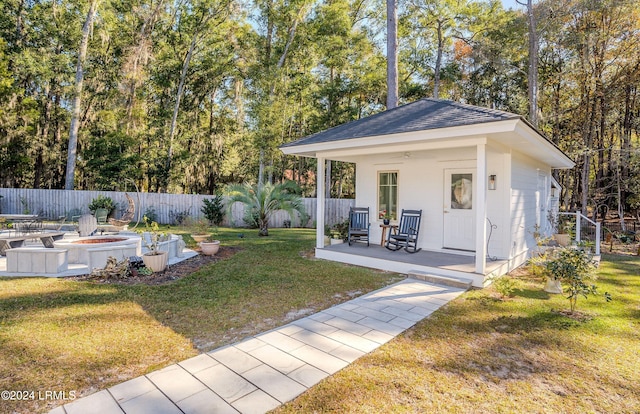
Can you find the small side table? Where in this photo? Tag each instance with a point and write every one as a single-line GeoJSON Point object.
{"type": "Point", "coordinates": [392, 229]}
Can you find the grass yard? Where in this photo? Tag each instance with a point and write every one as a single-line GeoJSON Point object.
{"type": "Point", "coordinates": [481, 354]}
{"type": "Point", "coordinates": [478, 354]}
{"type": "Point", "coordinates": [63, 336]}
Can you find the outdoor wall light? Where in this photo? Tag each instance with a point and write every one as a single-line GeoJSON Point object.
{"type": "Point", "coordinates": [553, 190]}
{"type": "Point", "coordinates": [492, 182]}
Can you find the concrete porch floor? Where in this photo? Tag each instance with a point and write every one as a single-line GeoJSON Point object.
{"type": "Point", "coordinates": [450, 264]}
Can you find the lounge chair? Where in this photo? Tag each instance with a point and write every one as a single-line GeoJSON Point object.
{"type": "Point", "coordinates": [359, 224]}
{"type": "Point", "coordinates": [407, 235]}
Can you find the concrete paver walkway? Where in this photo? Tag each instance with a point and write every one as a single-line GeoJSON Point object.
{"type": "Point", "coordinates": [265, 371]}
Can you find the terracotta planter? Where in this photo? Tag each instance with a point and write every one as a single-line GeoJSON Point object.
{"type": "Point", "coordinates": [156, 262]}
{"type": "Point", "coordinates": [553, 286]}
{"type": "Point", "coordinates": [199, 237]}
{"type": "Point", "coordinates": [210, 248]}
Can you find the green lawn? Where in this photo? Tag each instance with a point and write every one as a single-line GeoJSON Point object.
{"type": "Point", "coordinates": [480, 354]}
{"type": "Point", "coordinates": [61, 335]}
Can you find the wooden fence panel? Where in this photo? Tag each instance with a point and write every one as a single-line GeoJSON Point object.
{"type": "Point", "coordinates": [55, 203]}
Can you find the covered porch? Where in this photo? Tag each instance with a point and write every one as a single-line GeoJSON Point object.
{"type": "Point", "coordinates": [444, 264]}
{"type": "Point", "coordinates": [480, 179]}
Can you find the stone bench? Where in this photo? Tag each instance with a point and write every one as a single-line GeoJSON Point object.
{"type": "Point", "coordinates": [174, 245]}
{"type": "Point", "coordinates": [36, 260]}
{"type": "Point", "coordinates": [98, 256]}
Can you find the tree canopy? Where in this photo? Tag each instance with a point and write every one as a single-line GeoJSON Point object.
{"type": "Point", "coordinates": [188, 96]}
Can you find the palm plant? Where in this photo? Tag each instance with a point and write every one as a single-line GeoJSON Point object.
{"type": "Point", "coordinates": [261, 201]}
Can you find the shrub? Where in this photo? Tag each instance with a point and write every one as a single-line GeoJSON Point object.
{"type": "Point", "coordinates": [213, 209]}
{"type": "Point", "coordinates": [151, 214]}
{"type": "Point", "coordinates": [251, 218]}
{"type": "Point", "coordinates": [197, 226]}
{"type": "Point", "coordinates": [101, 202]}
{"type": "Point", "coordinates": [505, 286]}
{"type": "Point", "coordinates": [576, 269]}
{"type": "Point", "coordinates": [25, 205]}
{"type": "Point", "coordinates": [178, 217]}
{"type": "Point", "coordinates": [340, 230]}
{"type": "Point", "coordinates": [262, 201]}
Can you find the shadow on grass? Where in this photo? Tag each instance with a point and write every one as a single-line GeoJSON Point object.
{"type": "Point", "coordinates": [539, 294]}
{"type": "Point", "coordinates": [71, 294]}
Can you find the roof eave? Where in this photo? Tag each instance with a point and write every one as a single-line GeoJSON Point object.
{"type": "Point", "coordinates": [528, 134]}
{"type": "Point", "coordinates": [457, 132]}
{"type": "Point", "coordinates": [558, 160]}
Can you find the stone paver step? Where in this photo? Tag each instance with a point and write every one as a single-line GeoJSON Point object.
{"type": "Point", "coordinates": [260, 373]}
{"type": "Point", "coordinates": [441, 280]}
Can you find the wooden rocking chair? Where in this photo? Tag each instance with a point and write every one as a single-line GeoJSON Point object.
{"type": "Point", "coordinates": [407, 235]}
{"type": "Point", "coordinates": [359, 224]}
{"type": "Point", "coordinates": [128, 215]}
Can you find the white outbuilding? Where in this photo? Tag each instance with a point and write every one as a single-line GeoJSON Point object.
{"type": "Point", "coordinates": [481, 177]}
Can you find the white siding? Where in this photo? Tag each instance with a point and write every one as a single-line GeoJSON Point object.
{"type": "Point", "coordinates": [420, 186]}
{"type": "Point", "coordinates": [529, 201]}
{"type": "Point", "coordinates": [498, 163]}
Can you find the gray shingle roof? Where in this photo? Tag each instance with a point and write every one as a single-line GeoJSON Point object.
{"type": "Point", "coordinates": [421, 115]}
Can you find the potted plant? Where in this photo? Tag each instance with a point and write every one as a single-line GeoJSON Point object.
{"type": "Point", "coordinates": [576, 269]}
{"type": "Point", "coordinates": [101, 206]}
{"type": "Point", "coordinates": [538, 267]}
{"type": "Point", "coordinates": [209, 246]}
{"type": "Point", "coordinates": [563, 228]}
{"type": "Point", "coordinates": [154, 259]}
{"type": "Point", "coordinates": [340, 232]}
{"type": "Point", "coordinates": [200, 230]}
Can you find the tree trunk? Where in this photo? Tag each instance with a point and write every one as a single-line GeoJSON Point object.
{"type": "Point", "coordinates": [77, 98]}
{"type": "Point", "coordinates": [392, 54]}
{"type": "Point", "coordinates": [140, 59]}
{"type": "Point", "coordinates": [19, 24]}
{"type": "Point", "coordinates": [533, 65]}
{"type": "Point", "coordinates": [292, 34]}
{"type": "Point", "coordinates": [46, 124]}
{"type": "Point", "coordinates": [176, 106]}
{"type": "Point", "coordinates": [436, 74]}
{"type": "Point", "coordinates": [264, 227]}
{"type": "Point", "coordinates": [627, 130]}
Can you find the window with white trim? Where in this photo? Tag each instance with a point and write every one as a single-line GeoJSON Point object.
{"type": "Point", "coordinates": [387, 195]}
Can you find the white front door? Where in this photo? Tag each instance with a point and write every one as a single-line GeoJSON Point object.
{"type": "Point", "coordinates": [459, 210]}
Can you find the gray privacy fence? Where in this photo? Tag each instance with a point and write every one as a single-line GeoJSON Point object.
{"type": "Point", "coordinates": [55, 203]}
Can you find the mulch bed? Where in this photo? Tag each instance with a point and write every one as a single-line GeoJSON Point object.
{"type": "Point", "coordinates": [575, 315]}
{"type": "Point", "coordinates": [171, 274]}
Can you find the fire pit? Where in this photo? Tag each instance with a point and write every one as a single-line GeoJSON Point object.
{"type": "Point", "coordinates": [99, 240]}
{"type": "Point", "coordinates": [93, 251]}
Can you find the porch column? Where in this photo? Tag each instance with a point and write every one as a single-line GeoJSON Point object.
{"type": "Point", "coordinates": [481, 208]}
{"type": "Point", "coordinates": [320, 203]}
